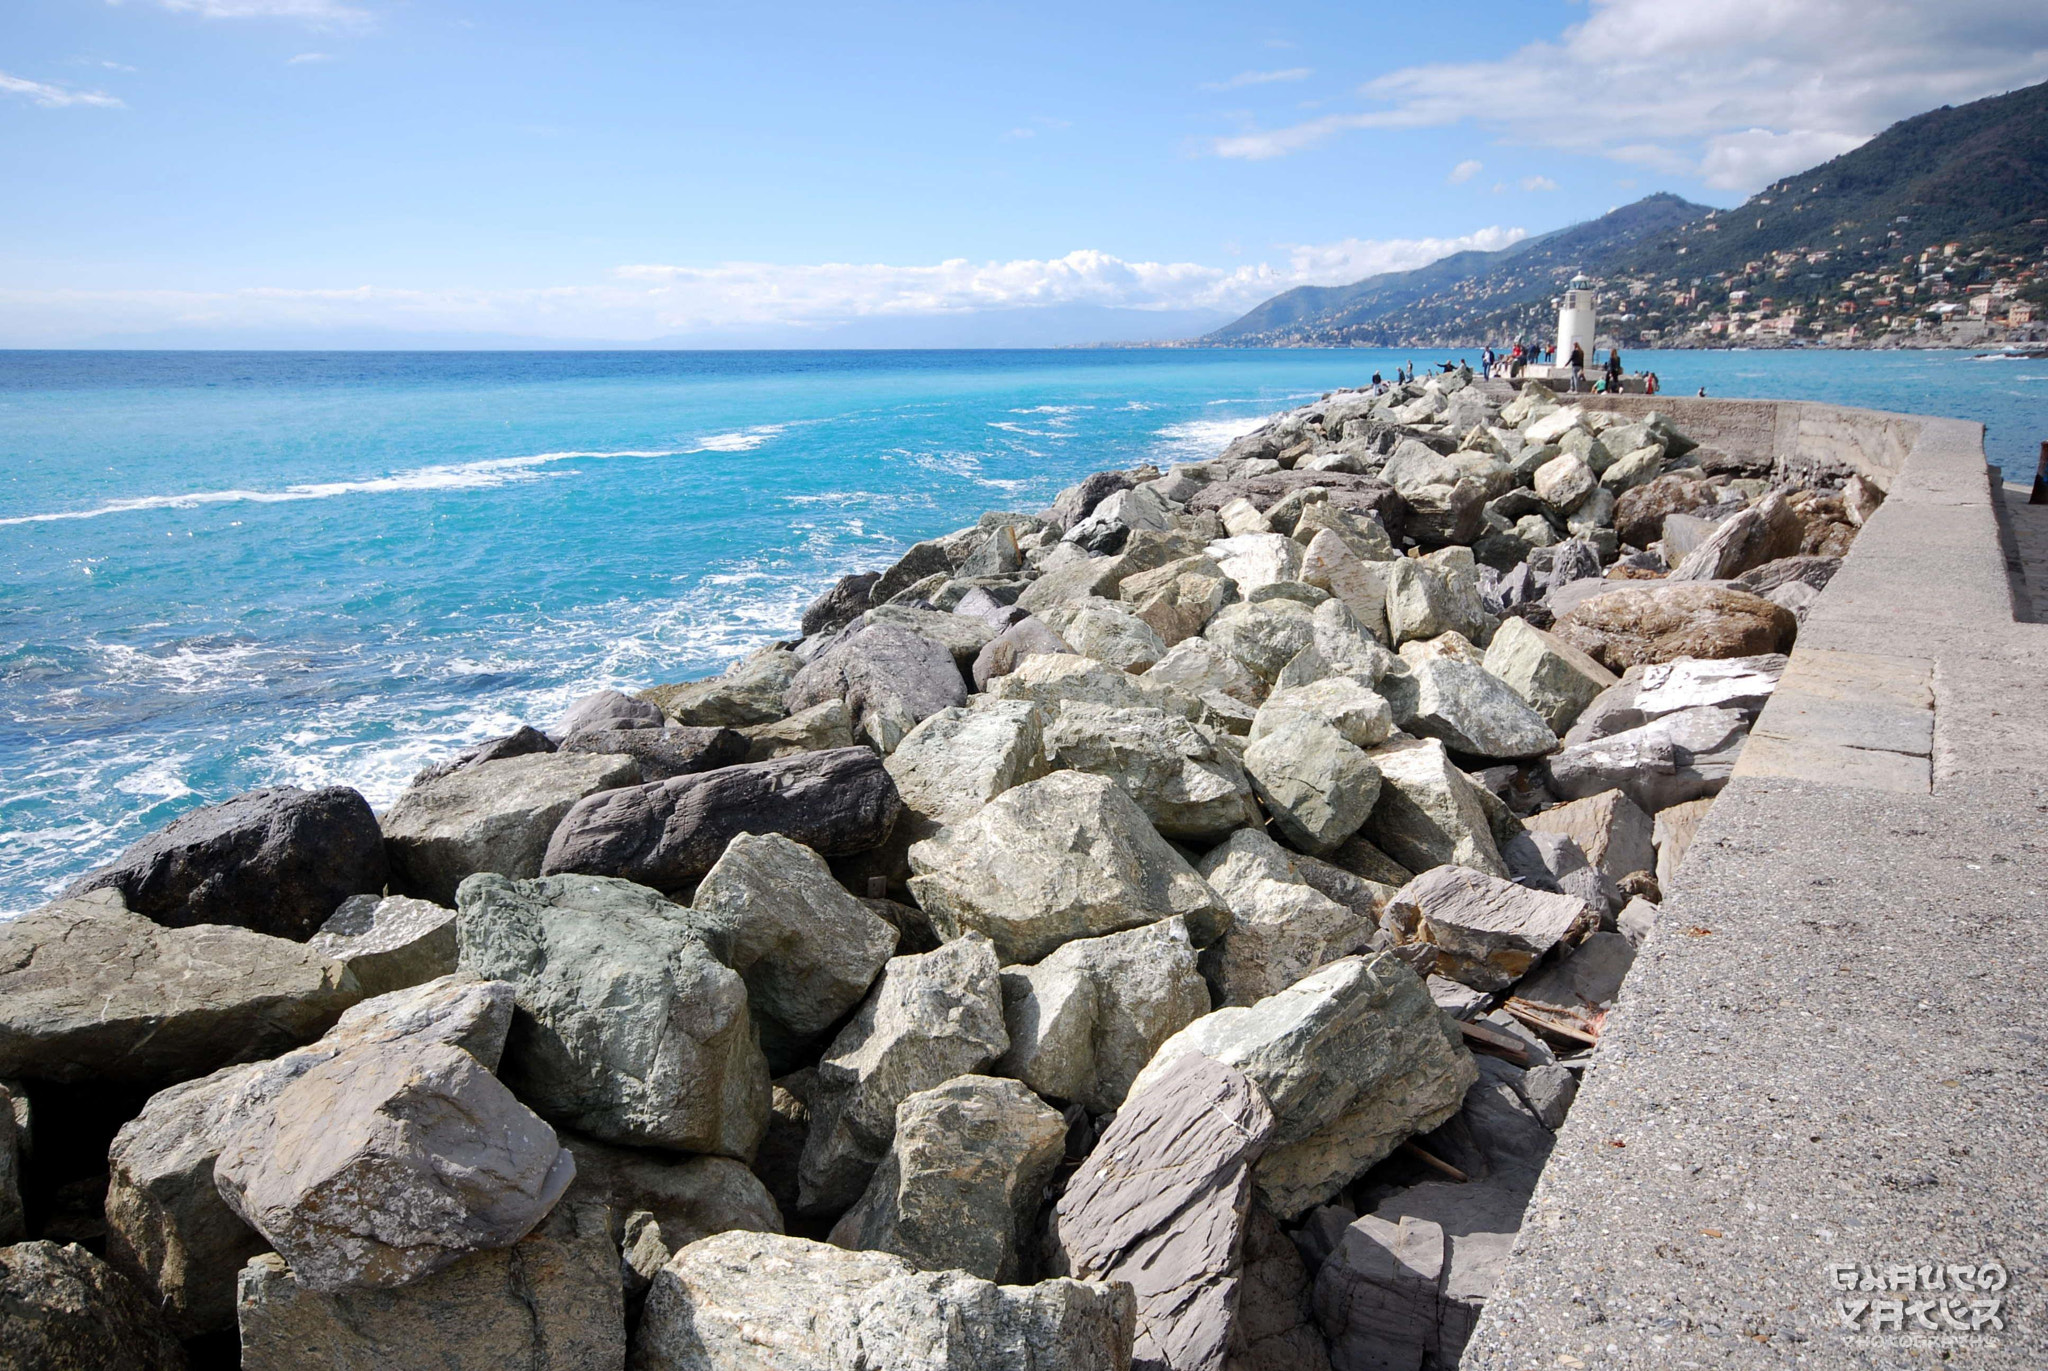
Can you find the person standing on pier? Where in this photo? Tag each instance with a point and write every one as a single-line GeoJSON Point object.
{"type": "Point", "coordinates": [1578, 366]}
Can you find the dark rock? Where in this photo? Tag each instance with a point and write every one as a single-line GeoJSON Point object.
{"type": "Point", "coordinates": [1077, 502]}
{"type": "Point", "coordinates": [608, 709]}
{"type": "Point", "coordinates": [517, 743]}
{"type": "Point", "coordinates": [1365, 495]}
{"type": "Point", "coordinates": [1276, 1328]}
{"type": "Point", "coordinates": [1809, 571]}
{"type": "Point", "coordinates": [669, 833]}
{"type": "Point", "coordinates": [1766, 531]}
{"type": "Point", "coordinates": [1574, 559]}
{"type": "Point", "coordinates": [63, 1309]}
{"type": "Point", "coordinates": [277, 861]}
{"type": "Point", "coordinates": [1162, 1202]}
{"type": "Point", "coordinates": [664, 752]}
{"type": "Point", "coordinates": [1023, 637]}
{"type": "Point", "coordinates": [891, 680]}
{"type": "Point", "coordinates": [1640, 511]}
{"type": "Point", "coordinates": [841, 605]}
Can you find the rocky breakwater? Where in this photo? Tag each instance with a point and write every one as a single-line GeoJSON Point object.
{"type": "Point", "coordinates": [1165, 930]}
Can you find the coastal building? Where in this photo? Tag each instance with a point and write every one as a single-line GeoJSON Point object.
{"type": "Point", "coordinates": [1575, 320]}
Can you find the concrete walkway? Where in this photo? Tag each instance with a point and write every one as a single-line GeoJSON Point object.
{"type": "Point", "coordinates": [1834, 1048]}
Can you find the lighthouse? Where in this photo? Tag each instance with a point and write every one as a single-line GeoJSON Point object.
{"type": "Point", "coordinates": [1575, 321]}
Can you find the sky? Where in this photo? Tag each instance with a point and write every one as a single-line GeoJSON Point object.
{"type": "Point", "coordinates": [332, 173]}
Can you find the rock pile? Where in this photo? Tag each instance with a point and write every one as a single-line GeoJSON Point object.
{"type": "Point", "coordinates": [1163, 931]}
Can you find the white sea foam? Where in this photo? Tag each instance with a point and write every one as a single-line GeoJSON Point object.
{"type": "Point", "coordinates": [1204, 438]}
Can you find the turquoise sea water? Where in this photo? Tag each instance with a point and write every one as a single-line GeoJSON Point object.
{"type": "Point", "coordinates": [229, 570]}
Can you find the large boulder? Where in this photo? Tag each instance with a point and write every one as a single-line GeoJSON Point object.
{"type": "Point", "coordinates": [807, 950]}
{"type": "Point", "coordinates": [1613, 832]}
{"type": "Point", "coordinates": [1190, 785]}
{"type": "Point", "coordinates": [1263, 637]}
{"type": "Point", "coordinates": [1281, 927]}
{"type": "Point", "coordinates": [1553, 677]}
{"type": "Point", "coordinates": [1178, 599]}
{"type": "Point", "coordinates": [1354, 1059]}
{"type": "Point", "coordinates": [959, 759]}
{"type": "Point", "coordinates": [1473, 712]}
{"type": "Point", "coordinates": [1276, 1328]}
{"type": "Point", "coordinates": [1109, 631]}
{"type": "Point", "coordinates": [750, 692]}
{"type": "Point", "coordinates": [1486, 932]}
{"type": "Point", "coordinates": [390, 1161]}
{"type": "Point", "coordinates": [1332, 564]}
{"type": "Point", "coordinates": [605, 711]}
{"type": "Point", "coordinates": [277, 861]}
{"type": "Point", "coordinates": [1162, 1203]}
{"type": "Point", "coordinates": [1429, 812]}
{"type": "Point", "coordinates": [1640, 511]}
{"type": "Point", "coordinates": [846, 600]}
{"type": "Point", "coordinates": [963, 1180]}
{"type": "Point", "coordinates": [1766, 531]}
{"type": "Point", "coordinates": [889, 677]}
{"type": "Point", "coordinates": [92, 993]}
{"type": "Point", "coordinates": [495, 816]}
{"type": "Point", "coordinates": [1083, 1022]}
{"type": "Point", "coordinates": [1069, 856]}
{"type": "Point", "coordinates": [550, 1302]}
{"type": "Point", "coordinates": [1678, 757]}
{"type": "Point", "coordinates": [1648, 693]}
{"type": "Point", "coordinates": [817, 729]}
{"type": "Point", "coordinates": [169, 1228]}
{"type": "Point", "coordinates": [1028, 637]}
{"type": "Point", "coordinates": [1644, 624]}
{"type": "Point", "coordinates": [63, 1309]}
{"type": "Point", "coordinates": [930, 1017]}
{"type": "Point", "coordinates": [720, 1304]}
{"type": "Point", "coordinates": [1251, 560]}
{"type": "Point", "coordinates": [1198, 669]}
{"type": "Point", "coordinates": [628, 1027]}
{"type": "Point", "coordinates": [662, 752]}
{"type": "Point", "coordinates": [1361, 716]}
{"type": "Point", "coordinates": [963, 635]}
{"type": "Point", "coordinates": [669, 833]}
{"type": "Point", "coordinates": [1318, 787]}
{"type": "Point", "coordinates": [389, 943]}
{"type": "Point", "coordinates": [1052, 679]}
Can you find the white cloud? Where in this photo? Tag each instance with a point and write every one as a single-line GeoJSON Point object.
{"type": "Point", "coordinates": [1465, 171]}
{"type": "Point", "coordinates": [319, 13]}
{"type": "Point", "coordinates": [304, 58]}
{"type": "Point", "coordinates": [1538, 183]}
{"type": "Point", "coordinates": [1260, 78]}
{"type": "Point", "coordinates": [654, 300]}
{"type": "Point", "coordinates": [1736, 92]}
{"type": "Point", "coordinates": [55, 97]}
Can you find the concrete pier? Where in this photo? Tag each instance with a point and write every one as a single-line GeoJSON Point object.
{"type": "Point", "coordinates": [1833, 1052]}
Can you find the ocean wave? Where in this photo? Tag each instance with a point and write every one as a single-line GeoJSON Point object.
{"type": "Point", "coordinates": [480, 475]}
{"type": "Point", "coordinates": [1209, 436]}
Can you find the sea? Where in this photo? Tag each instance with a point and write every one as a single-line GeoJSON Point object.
{"type": "Point", "coordinates": [232, 570]}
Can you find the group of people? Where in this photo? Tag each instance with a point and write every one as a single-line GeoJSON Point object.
{"type": "Point", "coordinates": [1511, 366]}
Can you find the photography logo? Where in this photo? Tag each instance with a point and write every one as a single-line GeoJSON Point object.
{"type": "Point", "coordinates": [1919, 1303]}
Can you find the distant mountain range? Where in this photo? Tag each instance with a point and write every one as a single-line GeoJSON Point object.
{"type": "Point", "coordinates": [1975, 175]}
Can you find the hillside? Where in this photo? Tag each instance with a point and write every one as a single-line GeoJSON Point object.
{"type": "Point", "coordinates": [1886, 240]}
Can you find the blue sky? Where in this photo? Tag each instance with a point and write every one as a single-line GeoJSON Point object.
{"type": "Point", "coordinates": [309, 172]}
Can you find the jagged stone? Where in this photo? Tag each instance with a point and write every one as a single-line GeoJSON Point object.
{"type": "Point", "coordinates": [1766, 531]}
{"type": "Point", "coordinates": [1646, 624]}
{"type": "Point", "coordinates": [1564, 483]}
{"type": "Point", "coordinates": [495, 816]}
{"type": "Point", "coordinates": [1187, 783]}
{"type": "Point", "coordinates": [1052, 679]}
{"type": "Point", "coordinates": [1334, 565]}
{"type": "Point", "coordinates": [662, 752]}
{"type": "Point", "coordinates": [1318, 787]}
{"type": "Point", "coordinates": [1554, 862]}
{"type": "Point", "coordinates": [628, 1027]}
{"type": "Point", "coordinates": [718, 1302]}
{"type": "Point", "coordinates": [1178, 599]}
{"type": "Point", "coordinates": [1648, 693]}
{"type": "Point", "coordinates": [1361, 716]}
{"type": "Point", "coordinates": [1354, 1059]}
{"type": "Point", "coordinates": [1474, 712]}
{"type": "Point", "coordinates": [960, 634]}
{"type": "Point", "coordinates": [1027, 637]}
{"type": "Point", "coordinates": [276, 861]}
{"type": "Point", "coordinates": [668, 1202]}
{"type": "Point", "coordinates": [1083, 1022]}
{"type": "Point", "coordinates": [963, 1180]}
{"type": "Point", "coordinates": [1613, 832]}
{"type": "Point", "coordinates": [959, 759]}
{"type": "Point", "coordinates": [63, 1309]}
{"type": "Point", "coordinates": [1262, 637]}
{"type": "Point", "coordinates": [846, 601]}
{"type": "Point", "coordinates": [1200, 670]}
{"type": "Point", "coordinates": [817, 729]}
{"type": "Point", "coordinates": [750, 692]}
{"type": "Point", "coordinates": [929, 1018]}
{"type": "Point", "coordinates": [389, 943]}
{"type": "Point", "coordinates": [1108, 631]}
{"type": "Point", "coordinates": [1585, 980]}
{"type": "Point", "coordinates": [1486, 932]}
{"type": "Point", "coordinates": [605, 711]}
{"type": "Point", "coordinates": [518, 743]}
{"type": "Point", "coordinates": [1556, 679]}
{"type": "Point", "coordinates": [1679, 757]}
{"type": "Point", "coordinates": [1672, 832]}
{"type": "Point", "coordinates": [1429, 813]}
{"type": "Point", "coordinates": [1069, 856]}
{"type": "Point", "coordinates": [669, 833]}
{"type": "Point", "coordinates": [1252, 560]}
{"type": "Point", "coordinates": [1281, 927]}
{"type": "Point", "coordinates": [889, 677]}
{"type": "Point", "coordinates": [1162, 1203]}
{"type": "Point", "coordinates": [1276, 1328]}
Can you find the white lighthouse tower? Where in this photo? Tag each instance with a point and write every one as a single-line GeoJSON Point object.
{"type": "Point", "coordinates": [1575, 322]}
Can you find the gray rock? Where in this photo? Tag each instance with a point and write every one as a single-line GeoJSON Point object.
{"type": "Point", "coordinates": [1556, 679]}
{"type": "Point", "coordinates": [750, 692]}
{"type": "Point", "coordinates": [1264, 637]}
{"type": "Point", "coordinates": [668, 1202]}
{"type": "Point", "coordinates": [1679, 757]}
{"type": "Point", "coordinates": [1637, 918]}
{"type": "Point", "coordinates": [817, 729]}
{"type": "Point", "coordinates": [1178, 599]}
{"type": "Point", "coordinates": [1025, 638]}
{"type": "Point", "coordinates": [668, 834]}
{"type": "Point", "coordinates": [1281, 927]}
{"type": "Point", "coordinates": [1361, 716]}
{"type": "Point", "coordinates": [1069, 856]}
{"type": "Point", "coordinates": [929, 1018]}
{"type": "Point", "coordinates": [958, 760]}
{"type": "Point", "coordinates": [1648, 693]}
{"type": "Point", "coordinates": [628, 1027]}
{"type": "Point", "coordinates": [1378, 1296]}
{"type": "Point", "coordinates": [1162, 1203]}
{"type": "Point", "coordinates": [1549, 1092]}
{"type": "Point", "coordinates": [1275, 1329]}
{"type": "Point", "coordinates": [1419, 605]}
{"type": "Point", "coordinates": [1609, 828]}
{"type": "Point", "coordinates": [662, 752]}
{"type": "Point", "coordinates": [889, 677]}
{"type": "Point", "coordinates": [1429, 812]}
{"type": "Point", "coordinates": [276, 861]}
{"type": "Point", "coordinates": [963, 1180]}
{"type": "Point", "coordinates": [1318, 787]}
{"type": "Point", "coordinates": [519, 742]}
{"type": "Point", "coordinates": [388, 943]}
{"type": "Point", "coordinates": [90, 992]}
{"type": "Point", "coordinates": [1083, 1022]}
{"type": "Point", "coordinates": [389, 1161]}
{"type": "Point", "coordinates": [1585, 980]}
{"type": "Point", "coordinates": [1475, 713]}
{"type": "Point", "coordinates": [1336, 566]}
{"type": "Point", "coordinates": [1053, 679]}
{"type": "Point", "coordinates": [1673, 831]}
{"type": "Point", "coordinates": [807, 950]}
{"type": "Point", "coordinates": [1486, 932]}
{"type": "Point", "coordinates": [604, 711]}
{"type": "Point", "coordinates": [1200, 670]}
{"type": "Point", "coordinates": [960, 634]}
{"type": "Point", "coordinates": [66, 1310]}
{"type": "Point", "coordinates": [1255, 559]}
{"type": "Point", "coordinates": [495, 816]}
{"type": "Point", "coordinates": [1564, 483]}
{"type": "Point", "coordinates": [1108, 631]}
{"type": "Point", "coordinates": [934, 557]}
{"type": "Point", "coordinates": [1354, 1059]}
{"type": "Point", "coordinates": [846, 601]}
{"type": "Point", "coordinates": [550, 1302]}
{"type": "Point", "coordinates": [718, 1302]}
{"type": "Point", "coordinates": [169, 1229]}
{"type": "Point", "coordinates": [1188, 784]}
{"type": "Point", "coordinates": [1555, 862]}
{"type": "Point", "coordinates": [1764, 532]}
